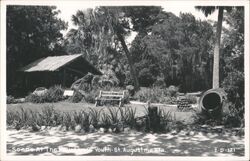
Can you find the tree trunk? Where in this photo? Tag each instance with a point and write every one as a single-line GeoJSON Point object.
{"type": "Point", "coordinates": [130, 61]}
{"type": "Point", "coordinates": [216, 64]}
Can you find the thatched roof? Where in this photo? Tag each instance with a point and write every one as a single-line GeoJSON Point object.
{"type": "Point", "coordinates": [54, 63]}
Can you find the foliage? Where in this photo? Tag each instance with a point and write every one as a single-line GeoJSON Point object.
{"type": "Point", "coordinates": [201, 118]}
{"type": "Point", "coordinates": [161, 121]}
{"type": "Point", "coordinates": [177, 53]}
{"type": "Point", "coordinates": [235, 117]}
{"type": "Point", "coordinates": [172, 91]}
{"type": "Point", "coordinates": [90, 97]}
{"type": "Point", "coordinates": [157, 95]}
{"type": "Point", "coordinates": [32, 32]}
{"type": "Point", "coordinates": [233, 57]}
{"type": "Point", "coordinates": [234, 86]}
{"type": "Point", "coordinates": [49, 116]}
{"type": "Point", "coordinates": [53, 94]}
{"type": "Point", "coordinates": [11, 99]}
{"type": "Point", "coordinates": [34, 98]}
{"type": "Point", "coordinates": [131, 90]}
{"type": "Point", "coordinates": [108, 79]}
{"type": "Point", "coordinates": [128, 116]}
{"type": "Point", "coordinates": [95, 116]}
{"type": "Point", "coordinates": [233, 65]}
{"type": "Point", "coordinates": [77, 97]}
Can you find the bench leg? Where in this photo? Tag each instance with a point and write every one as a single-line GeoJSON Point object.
{"type": "Point", "coordinates": [121, 103]}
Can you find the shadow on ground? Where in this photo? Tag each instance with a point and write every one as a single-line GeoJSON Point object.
{"type": "Point", "coordinates": [54, 142]}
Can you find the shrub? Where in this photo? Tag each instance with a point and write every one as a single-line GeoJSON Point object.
{"type": "Point", "coordinates": [159, 121]}
{"type": "Point", "coordinates": [11, 99]}
{"type": "Point", "coordinates": [48, 115]}
{"type": "Point", "coordinates": [54, 94]}
{"type": "Point", "coordinates": [34, 98]}
{"type": "Point", "coordinates": [172, 91]}
{"type": "Point", "coordinates": [94, 116]}
{"type": "Point", "coordinates": [128, 116]}
{"type": "Point", "coordinates": [235, 116]}
{"type": "Point", "coordinates": [233, 85]}
{"type": "Point", "coordinates": [160, 82]}
{"type": "Point", "coordinates": [202, 119]}
{"type": "Point", "coordinates": [130, 89]}
{"type": "Point", "coordinates": [157, 95]}
{"type": "Point", "coordinates": [77, 97]}
{"type": "Point", "coordinates": [145, 94]}
{"type": "Point", "coordinates": [90, 97]}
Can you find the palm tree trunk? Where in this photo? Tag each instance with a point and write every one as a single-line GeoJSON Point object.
{"type": "Point", "coordinates": [216, 64]}
{"type": "Point", "coordinates": [130, 61]}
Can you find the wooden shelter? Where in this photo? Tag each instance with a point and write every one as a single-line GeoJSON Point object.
{"type": "Point", "coordinates": [52, 70]}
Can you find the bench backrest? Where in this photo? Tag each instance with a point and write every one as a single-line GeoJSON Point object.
{"type": "Point", "coordinates": [112, 94]}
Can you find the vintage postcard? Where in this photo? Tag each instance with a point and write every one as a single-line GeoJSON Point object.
{"type": "Point", "coordinates": [124, 80]}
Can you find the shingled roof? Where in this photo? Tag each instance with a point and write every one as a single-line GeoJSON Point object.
{"type": "Point", "coordinates": [54, 63]}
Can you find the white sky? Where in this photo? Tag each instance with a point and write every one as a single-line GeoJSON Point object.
{"type": "Point", "coordinates": [68, 10]}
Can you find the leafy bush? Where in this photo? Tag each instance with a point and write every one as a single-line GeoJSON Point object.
{"type": "Point", "coordinates": [94, 116]}
{"type": "Point", "coordinates": [157, 95]}
{"type": "Point", "coordinates": [159, 121]}
{"type": "Point", "coordinates": [130, 89]}
{"type": "Point", "coordinates": [160, 82]}
{"type": "Point", "coordinates": [172, 91]}
{"type": "Point", "coordinates": [11, 99]}
{"type": "Point", "coordinates": [90, 97]}
{"type": "Point", "coordinates": [53, 94]}
{"type": "Point", "coordinates": [128, 116]}
{"type": "Point", "coordinates": [235, 116]}
{"type": "Point", "coordinates": [77, 97]}
{"type": "Point", "coordinates": [34, 98]}
{"type": "Point", "coordinates": [233, 85]}
{"type": "Point", "coordinates": [108, 79]}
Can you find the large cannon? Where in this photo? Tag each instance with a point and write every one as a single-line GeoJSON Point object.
{"type": "Point", "coordinates": [212, 103]}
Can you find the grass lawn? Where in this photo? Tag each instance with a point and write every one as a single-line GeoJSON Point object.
{"type": "Point", "coordinates": [65, 106]}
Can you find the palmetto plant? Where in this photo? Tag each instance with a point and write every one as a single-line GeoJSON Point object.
{"type": "Point", "coordinates": [10, 117]}
{"type": "Point", "coordinates": [49, 116]}
{"type": "Point", "coordinates": [95, 116]}
{"type": "Point", "coordinates": [105, 120]}
{"type": "Point", "coordinates": [114, 115]}
{"type": "Point", "coordinates": [128, 117]}
{"type": "Point", "coordinates": [77, 117]}
{"type": "Point", "coordinates": [67, 120]}
{"type": "Point", "coordinates": [86, 120]}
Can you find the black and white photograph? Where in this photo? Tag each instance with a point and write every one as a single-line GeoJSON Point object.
{"type": "Point", "coordinates": [146, 79]}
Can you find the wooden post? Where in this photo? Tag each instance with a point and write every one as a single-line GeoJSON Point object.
{"type": "Point", "coordinates": [153, 119]}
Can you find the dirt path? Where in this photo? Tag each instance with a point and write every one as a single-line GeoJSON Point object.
{"type": "Point", "coordinates": [53, 142]}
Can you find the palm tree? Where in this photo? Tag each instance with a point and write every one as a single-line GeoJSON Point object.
{"type": "Point", "coordinates": [207, 10]}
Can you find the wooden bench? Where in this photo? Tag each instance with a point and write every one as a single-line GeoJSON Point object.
{"type": "Point", "coordinates": [110, 96]}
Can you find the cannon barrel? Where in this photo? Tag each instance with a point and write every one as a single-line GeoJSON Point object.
{"type": "Point", "coordinates": [212, 102]}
